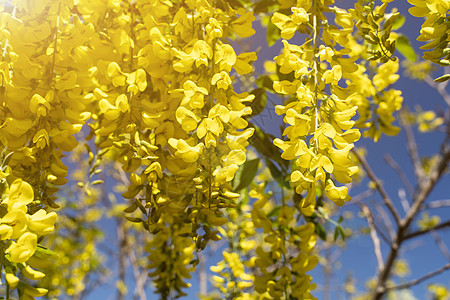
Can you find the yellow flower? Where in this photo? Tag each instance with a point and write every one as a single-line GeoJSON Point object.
{"type": "Point", "coordinates": [184, 151]}
{"type": "Point", "coordinates": [334, 75]}
{"type": "Point", "coordinates": [41, 222]}
{"type": "Point", "coordinates": [23, 249]}
{"type": "Point", "coordinates": [338, 195]}
{"type": "Point", "coordinates": [222, 80]}
{"type": "Point", "coordinates": [243, 25]}
{"type": "Point", "coordinates": [285, 24]}
{"type": "Point", "coordinates": [20, 194]}
{"type": "Point", "coordinates": [17, 220]}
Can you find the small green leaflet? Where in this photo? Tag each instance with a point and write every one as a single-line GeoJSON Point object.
{"type": "Point", "coordinates": [246, 176]}
{"type": "Point", "coordinates": [405, 48]}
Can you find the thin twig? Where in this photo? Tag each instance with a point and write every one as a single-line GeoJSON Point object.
{"type": "Point", "coordinates": [412, 146]}
{"type": "Point", "coordinates": [403, 200]}
{"type": "Point", "coordinates": [421, 232]}
{"type": "Point", "coordinates": [361, 196]}
{"type": "Point", "coordinates": [419, 280]}
{"type": "Point", "coordinates": [437, 204]}
{"type": "Point", "coordinates": [395, 166]}
{"type": "Point", "coordinates": [374, 237]}
{"type": "Point", "coordinates": [379, 186]}
{"type": "Point", "coordinates": [426, 185]}
{"type": "Point", "coordinates": [440, 88]}
{"type": "Point", "coordinates": [441, 245]}
{"type": "Point", "coordinates": [385, 221]}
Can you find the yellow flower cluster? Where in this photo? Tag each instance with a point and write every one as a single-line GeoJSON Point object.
{"type": "Point", "coordinates": [320, 131]}
{"type": "Point", "coordinates": [42, 80]}
{"type": "Point", "coordinates": [234, 279]}
{"type": "Point", "coordinates": [434, 30]}
{"type": "Point", "coordinates": [163, 102]}
{"type": "Point", "coordinates": [19, 233]}
{"type": "Point", "coordinates": [285, 257]}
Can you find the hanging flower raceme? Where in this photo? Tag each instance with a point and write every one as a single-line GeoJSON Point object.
{"type": "Point", "coordinates": [19, 232]}
{"type": "Point", "coordinates": [319, 125]}
{"type": "Point", "coordinates": [434, 30]}
{"type": "Point", "coordinates": [165, 108]}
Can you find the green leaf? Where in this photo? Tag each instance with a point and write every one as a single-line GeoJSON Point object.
{"type": "Point", "coordinates": [339, 231]}
{"type": "Point", "coordinates": [259, 103]}
{"type": "Point", "coordinates": [131, 208]}
{"type": "Point", "coordinates": [272, 34]}
{"type": "Point", "coordinates": [443, 78]}
{"type": "Point", "coordinates": [265, 82]}
{"type": "Point", "coordinates": [262, 142]}
{"type": "Point", "coordinates": [398, 22]}
{"type": "Point", "coordinates": [134, 220]}
{"type": "Point", "coordinates": [247, 175]}
{"type": "Point", "coordinates": [277, 174]}
{"type": "Point", "coordinates": [274, 212]}
{"type": "Point", "coordinates": [320, 231]}
{"type": "Point", "coordinates": [44, 250]}
{"type": "Point", "coordinates": [405, 48]}
{"type": "Point", "coordinates": [263, 6]}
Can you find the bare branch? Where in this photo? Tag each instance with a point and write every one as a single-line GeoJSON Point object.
{"type": "Point", "coordinates": [437, 204]}
{"type": "Point", "coordinates": [419, 280]}
{"type": "Point", "coordinates": [421, 232]}
{"type": "Point", "coordinates": [440, 88]}
{"type": "Point", "coordinates": [412, 146]}
{"type": "Point", "coordinates": [374, 237]}
{"type": "Point", "coordinates": [425, 186]}
{"type": "Point", "coordinates": [395, 166]}
{"type": "Point", "coordinates": [385, 221]}
{"type": "Point", "coordinates": [441, 245]}
{"type": "Point", "coordinates": [379, 186]}
{"type": "Point", "coordinates": [361, 196]}
{"type": "Point", "coordinates": [403, 200]}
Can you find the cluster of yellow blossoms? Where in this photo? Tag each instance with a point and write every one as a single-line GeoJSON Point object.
{"type": "Point", "coordinates": [154, 81]}
{"type": "Point", "coordinates": [20, 230]}
{"type": "Point", "coordinates": [320, 131]}
{"type": "Point", "coordinates": [165, 106]}
{"type": "Point", "coordinates": [42, 79]}
{"type": "Point", "coordinates": [434, 29]}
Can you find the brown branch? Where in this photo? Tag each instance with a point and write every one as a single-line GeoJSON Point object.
{"type": "Point", "coordinates": [412, 146]}
{"type": "Point", "coordinates": [421, 232]}
{"type": "Point", "coordinates": [379, 186]}
{"type": "Point", "coordinates": [374, 237]}
{"type": "Point", "coordinates": [420, 279]}
{"type": "Point", "coordinates": [425, 186]}
{"type": "Point", "coordinates": [385, 221]}
{"type": "Point", "coordinates": [395, 166]}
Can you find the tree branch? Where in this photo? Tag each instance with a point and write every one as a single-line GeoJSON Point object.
{"type": "Point", "coordinates": [441, 245]}
{"type": "Point", "coordinates": [421, 232]}
{"type": "Point", "coordinates": [438, 204]}
{"type": "Point", "coordinates": [440, 88]}
{"type": "Point", "coordinates": [394, 165]}
{"type": "Point", "coordinates": [420, 279]}
{"type": "Point", "coordinates": [374, 237]}
{"type": "Point", "coordinates": [412, 146]}
{"type": "Point", "coordinates": [425, 186]}
{"type": "Point", "coordinates": [379, 186]}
